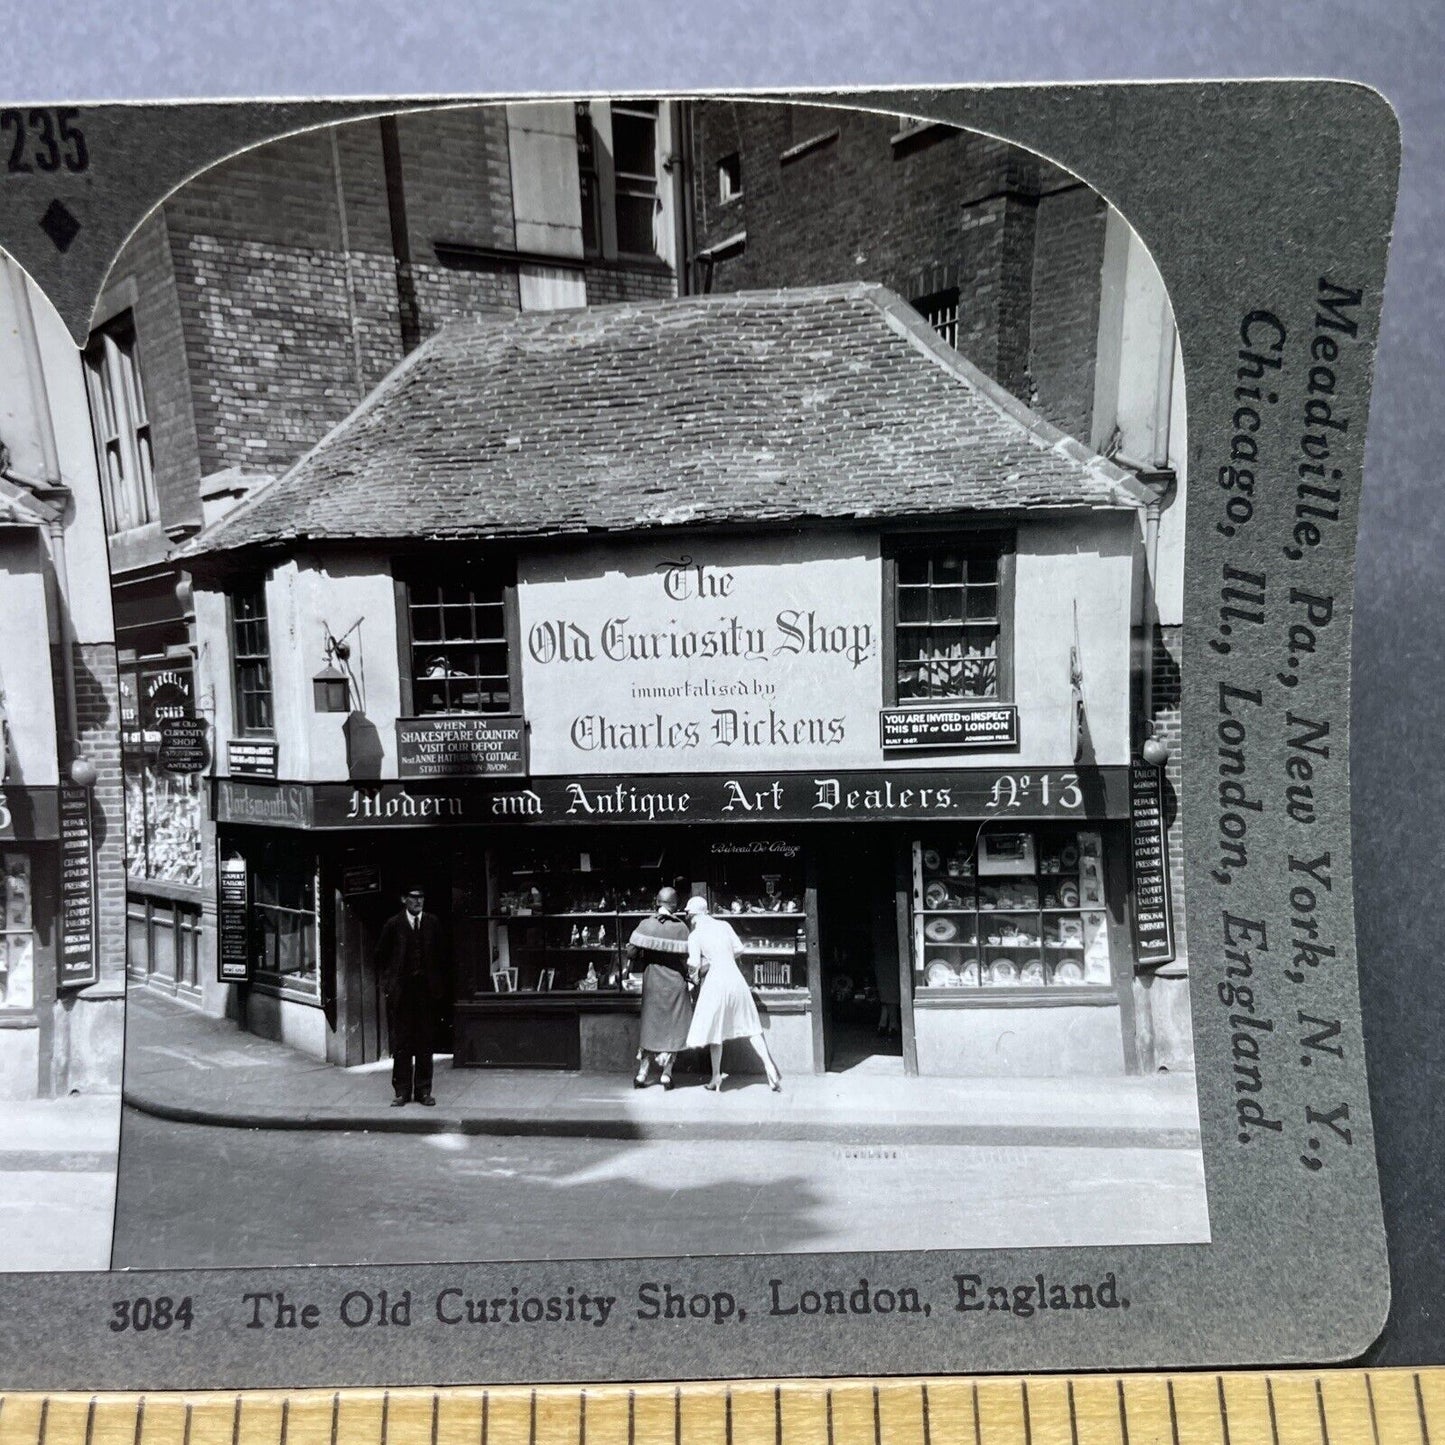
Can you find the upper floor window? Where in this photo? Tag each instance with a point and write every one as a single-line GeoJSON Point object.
{"type": "Point", "coordinates": [951, 632]}
{"type": "Point", "coordinates": [251, 654]}
{"type": "Point", "coordinates": [121, 426]}
{"type": "Point", "coordinates": [461, 661]}
{"type": "Point", "coordinates": [940, 310]}
{"type": "Point", "coordinates": [619, 170]}
{"type": "Point", "coordinates": [730, 177]}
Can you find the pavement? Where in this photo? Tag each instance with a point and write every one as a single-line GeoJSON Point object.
{"type": "Point", "coordinates": [185, 1067]}
{"type": "Point", "coordinates": [57, 1199]}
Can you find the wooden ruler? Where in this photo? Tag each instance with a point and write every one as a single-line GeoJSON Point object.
{"type": "Point", "coordinates": [1288, 1407]}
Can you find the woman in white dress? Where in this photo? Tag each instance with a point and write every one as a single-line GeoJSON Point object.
{"type": "Point", "coordinates": [725, 1008]}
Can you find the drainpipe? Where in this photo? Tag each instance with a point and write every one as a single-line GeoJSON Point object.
{"type": "Point", "coordinates": [53, 489]}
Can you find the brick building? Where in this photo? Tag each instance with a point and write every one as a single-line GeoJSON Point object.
{"type": "Point", "coordinates": [62, 875]}
{"type": "Point", "coordinates": [1031, 275]}
{"type": "Point", "coordinates": [258, 306]}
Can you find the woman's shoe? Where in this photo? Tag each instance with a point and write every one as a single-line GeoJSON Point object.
{"type": "Point", "coordinates": [713, 1086]}
{"type": "Point", "coordinates": [776, 1083]}
{"type": "Point", "coordinates": [666, 1082]}
{"type": "Point", "coordinates": [639, 1081]}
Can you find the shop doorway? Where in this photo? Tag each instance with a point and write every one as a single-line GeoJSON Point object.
{"type": "Point", "coordinates": [858, 947]}
{"type": "Point", "coordinates": [369, 888]}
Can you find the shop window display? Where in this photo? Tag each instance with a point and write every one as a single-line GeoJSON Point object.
{"type": "Point", "coordinates": [162, 809]}
{"type": "Point", "coordinates": [17, 940]}
{"type": "Point", "coordinates": [284, 923]}
{"type": "Point", "coordinates": [558, 919]}
{"type": "Point", "coordinates": [1010, 910]}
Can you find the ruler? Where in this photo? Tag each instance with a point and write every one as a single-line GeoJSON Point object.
{"type": "Point", "coordinates": [1288, 1407]}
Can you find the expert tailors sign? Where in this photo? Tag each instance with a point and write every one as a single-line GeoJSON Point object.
{"type": "Point", "coordinates": [657, 659]}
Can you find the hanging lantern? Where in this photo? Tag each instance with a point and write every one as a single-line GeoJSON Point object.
{"type": "Point", "coordinates": [331, 690]}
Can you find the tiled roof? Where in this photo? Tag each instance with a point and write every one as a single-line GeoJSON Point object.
{"type": "Point", "coordinates": [778, 406]}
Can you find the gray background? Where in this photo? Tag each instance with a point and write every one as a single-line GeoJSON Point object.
{"type": "Point", "coordinates": [368, 46]}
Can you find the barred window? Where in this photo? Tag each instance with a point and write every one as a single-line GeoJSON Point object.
{"type": "Point", "coordinates": [940, 310]}
{"type": "Point", "coordinates": [251, 652]}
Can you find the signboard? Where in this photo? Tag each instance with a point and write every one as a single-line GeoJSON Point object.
{"type": "Point", "coordinates": [1149, 849]}
{"type": "Point", "coordinates": [251, 757]}
{"type": "Point", "coordinates": [739, 655]}
{"type": "Point", "coordinates": [79, 961]}
{"type": "Point", "coordinates": [152, 694]}
{"type": "Point", "coordinates": [360, 878]}
{"type": "Point", "coordinates": [952, 726]}
{"type": "Point", "coordinates": [28, 814]}
{"type": "Point", "coordinates": [183, 745]}
{"type": "Point", "coordinates": [461, 747]}
{"type": "Point", "coordinates": [285, 805]}
{"type": "Point", "coordinates": [749, 798]}
{"type": "Point", "coordinates": [233, 918]}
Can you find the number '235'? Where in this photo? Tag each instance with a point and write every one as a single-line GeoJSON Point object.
{"type": "Point", "coordinates": [43, 140]}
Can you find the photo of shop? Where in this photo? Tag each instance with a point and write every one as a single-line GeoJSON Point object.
{"type": "Point", "coordinates": [771, 598]}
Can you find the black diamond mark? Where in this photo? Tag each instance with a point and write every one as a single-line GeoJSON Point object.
{"type": "Point", "coordinates": [59, 225]}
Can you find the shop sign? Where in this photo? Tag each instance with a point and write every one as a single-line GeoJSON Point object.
{"type": "Point", "coordinates": [359, 879]}
{"type": "Point", "coordinates": [151, 695]}
{"type": "Point", "coordinates": [954, 728]}
{"type": "Point", "coordinates": [233, 940]}
{"type": "Point", "coordinates": [1149, 847]}
{"type": "Point", "coordinates": [251, 757]}
{"type": "Point", "coordinates": [285, 805]}
{"type": "Point", "coordinates": [705, 798]}
{"type": "Point", "coordinates": [461, 747]}
{"type": "Point", "coordinates": [184, 747]}
{"type": "Point", "coordinates": [28, 814]}
{"type": "Point", "coordinates": [738, 655]}
{"type": "Point", "coordinates": [79, 960]}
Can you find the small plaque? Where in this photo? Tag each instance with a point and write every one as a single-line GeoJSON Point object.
{"type": "Point", "coordinates": [950, 727]}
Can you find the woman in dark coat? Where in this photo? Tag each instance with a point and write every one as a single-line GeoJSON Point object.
{"type": "Point", "coordinates": [658, 946]}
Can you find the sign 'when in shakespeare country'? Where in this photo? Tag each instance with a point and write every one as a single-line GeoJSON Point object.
{"type": "Point", "coordinates": [704, 657]}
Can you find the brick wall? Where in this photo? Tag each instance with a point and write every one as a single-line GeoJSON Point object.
{"type": "Point", "coordinates": [609, 284]}
{"type": "Point", "coordinates": [940, 209]}
{"type": "Point", "coordinates": [160, 338]}
{"type": "Point", "coordinates": [1067, 271]}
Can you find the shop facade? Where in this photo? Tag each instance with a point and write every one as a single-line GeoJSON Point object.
{"type": "Point", "coordinates": [899, 754]}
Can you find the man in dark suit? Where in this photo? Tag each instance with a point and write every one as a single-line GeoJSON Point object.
{"type": "Point", "coordinates": [411, 963]}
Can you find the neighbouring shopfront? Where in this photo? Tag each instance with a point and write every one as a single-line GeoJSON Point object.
{"type": "Point", "coordinates": [164, 791]}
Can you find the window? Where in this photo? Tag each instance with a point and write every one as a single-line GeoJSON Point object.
{"type": "Point", "coordinates": [951, 608]}
{"type": "Point", "coordinates": [17, 933]}
{"type": "Point", "coordinates": [1009, 910]}
{"type": "Point", "coordinates": [162, 808]}
{"type": "Point", "coordinates": [284, 925]}
{"type": "Point", "coordinates": [730, 177]}
{"type": "Point", "coordinates": [251, 650]}
{"type": "Point", "coordinates": [634, 164]}
{"type": "Point", "coordinates": [940, 310]}
{"type": "Point", "coordinates": [619, 171]}
{"type": "Point", "coordinates": [121, 426]}
{"type": "Point", "coordinates": [460, 658]}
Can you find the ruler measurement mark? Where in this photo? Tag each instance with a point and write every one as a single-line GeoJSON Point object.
{"type": "Point", "coordinates": [632, 1417]}
{"type": "Point", "coordinates": [977, 1423]}
{"type": "Point", "coordinates": [1269, 1400]}
{"type": "Point", "coordinates": [140, 1415]}
{"type": "Point", "coordinates": [1173, 1412]}
{"type": "Point", "coordinates": [1073, 1417]}
{"type": "Point", "coordinates": [1374, 1418]}
{"type": "Point", "coordinates": [385, 1414]}
{"type": "Point", "coordinates": [90, 1421]}
{"type": "Point", "coordinates": [44, 1418]}
{"type": "Point", "coordinates": [877, 1421]}
{"type": "Point", "coordinates": [778, 1414]}
{"type": "Point", "coordinates": [927, 1427]}
{"type": "Point", "coordinates": [335, 1415]}
{"type": "Point", "coordinates": [676, 1416]}
{"type": "Point", "coordinates": [186, 1429]}
{"type": "Point", "coordinates": [532, 1421]}
{"type": "Point", "coordinates": [1420, 1407]}
{"type": "Point", "coordinates": [1320, 1406]}
{"type": "Point", "coordinates": [830, 1415]}
{"type": "Point", "coordinates": [1123, 1415]}
{"type": "Point", "coordinates": [728, 1416]}
{"type": "Point", "coordinates": [486, 1405]}
{"type": "Point", "coordinates": [236, 1422]}
{"type": "Point", "coordinates": [581, 1418]}
{"type": "Point", "coordinates": [1223, 1409]}
{"type": "Point", "coordinates": [1028, 1419]}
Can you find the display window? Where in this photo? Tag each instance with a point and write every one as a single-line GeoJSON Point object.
{"type": "Point", "coordinates": [17, 940]}
{"type": "Point", "coordinates": [1017, 909]}
{"type": "Point", "coordinates": [162, 808]}
{"type": "Point", "coordinates": [557, 917]}
{"type": "Point", "coordinates": [284, 923]}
